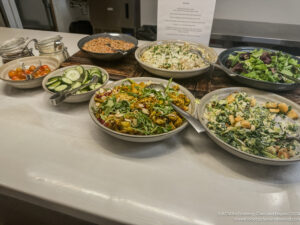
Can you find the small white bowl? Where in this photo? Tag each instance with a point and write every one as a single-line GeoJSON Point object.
{"type": "Point", "coordinates": [144, 138]}
{"type": "Point", "coordinates": [53, 64]}
{"type": "Point", "coordinates": [78, 97]}
{"type": "Point", "coordinates": [177, 74]}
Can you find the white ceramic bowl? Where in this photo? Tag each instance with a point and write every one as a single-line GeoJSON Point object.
{"type": "Point", "coordinates": [78, 97]}
{"type": "Point", "coordinates": [144, 138]}
{"type": "Point", "coordinates": [261, 97]}
{"type": "Point", "coordinates": [177, 74]}
{"type": "Point", "coordinates": [53, 63]}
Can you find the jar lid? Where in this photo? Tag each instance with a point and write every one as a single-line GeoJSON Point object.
{"type": "Point", "coordinates": [49, 40]}
{"type": "Point", "coordinates": [12, 44]}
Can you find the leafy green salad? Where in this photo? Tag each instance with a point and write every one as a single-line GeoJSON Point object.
{"type": "Point", "coordinates": [264, 65]}
{"type": "Point", "coordinates": [257, 129]}
{"type": "Point", "coordinates": [134, 108]}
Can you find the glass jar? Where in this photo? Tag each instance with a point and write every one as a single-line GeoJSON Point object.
{"type": "Point", "coordinates": [52, 46]}
{"type": "Point", "coordinates": [15, 48]}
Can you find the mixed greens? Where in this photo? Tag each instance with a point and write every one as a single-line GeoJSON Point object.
{"type": "Point", "coordinates": [264, 65]}
{"type": "Point", "coordinates": [135, 108]}
{"type": "Point", "coordinates": [257, 129]}
{"type": "Point", "coordinates": [74, 78]}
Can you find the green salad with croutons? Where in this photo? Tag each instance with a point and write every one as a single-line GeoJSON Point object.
{"type": "Point", "coordinates": [253, 128]}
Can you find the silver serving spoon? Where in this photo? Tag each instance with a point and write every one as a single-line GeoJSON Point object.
{"type": "Point", "coordinates": [297, 137]}
{"type": "Point", "coordinates": [297, 81]}
{"type": "Point", "coordinates": [59, 97]}
{"type": "Point", "coordinates": [191, 120]}
{"type": "Point", "coordinates": [118, 50]}
{"type": "Point", "coordinates": [226, 70]}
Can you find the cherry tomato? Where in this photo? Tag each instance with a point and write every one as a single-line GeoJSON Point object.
{"type": "Point", "coordinates": [48, 70]}
{"type": "Point", "coordinates": [37, 73]}
{"type": "Point", "coordinates": [19, 69]}
{"type": "Point", "coordinates": [32, 68]}
{"type": "Point", "coordinates": [19, 73]}
{"type": "Point", "coordinates": [43, 67]}
{"type": "Point", "coordinates": [12, 73]}
{"type": "Point", "coordinates": [28, 71]}
{"type": "Point", "coordinates": [43, 73]}
{"type": "Point", "coordinates": [15, 78]}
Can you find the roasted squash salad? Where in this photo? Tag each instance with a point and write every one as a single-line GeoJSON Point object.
{"type": "Point", "coordinates": [134, 108]}
{"type": "Point", "coordinates": [259, 129]}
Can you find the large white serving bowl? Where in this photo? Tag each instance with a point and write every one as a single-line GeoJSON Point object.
{"type": "Point", "coordinates": [177, 74]}
{"type": "Point", "coordinates": [144, 138]}
{"type": "Point", "coordinates": [261, 97]}
{"type": "Point", "coordinates": [77, 97]}
{"type": "Point", "coordinates": [53, 64]}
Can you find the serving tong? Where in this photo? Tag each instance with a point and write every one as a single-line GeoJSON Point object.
{"type": "Point", "coordinates": [30, 76]}
{"type": "Point", "coordinates": [59, 97]}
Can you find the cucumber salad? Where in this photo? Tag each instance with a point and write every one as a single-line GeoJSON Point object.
{"type": "Point", "coordinates": [75, 77]}
{"type": "Point", "coordinates": [259, 129]}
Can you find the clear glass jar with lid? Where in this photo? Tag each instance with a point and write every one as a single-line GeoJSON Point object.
{"type": "Point", "coordinates": [52, 46]}
{"type": "Point", "coordinates": [15, 48]}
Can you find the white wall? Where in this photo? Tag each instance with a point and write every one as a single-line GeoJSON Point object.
{"type": "Point", "coordinates": [148, 12]}
{"type": "Point", "coordinates": [272, 11]}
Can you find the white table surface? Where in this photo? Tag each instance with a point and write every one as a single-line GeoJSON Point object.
{"type": "Point", "coordinates": [56, 157]}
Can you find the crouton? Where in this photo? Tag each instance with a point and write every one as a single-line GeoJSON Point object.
{"type": "Point", "coordinates": [271, 105]}
{"type": "Point", "coordinates": [246, 124]}
{"type": "Point", "coordinates": [274, 110]}
{"type": "Point", "coordinates": [292, 114]}
{"type": "Point", "coordinates": [230, 98]}
{"type": "Point", "coordinates": [283, 107]}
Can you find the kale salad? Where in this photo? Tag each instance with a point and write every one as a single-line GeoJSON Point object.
{"type": "Point", "coordinates": [264, 65]}
{"type": "Point", "coordinates": [258, 129]}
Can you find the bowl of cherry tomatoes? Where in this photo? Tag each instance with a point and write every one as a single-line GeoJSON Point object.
{"type": "Point", "coordinates": [28, 72]}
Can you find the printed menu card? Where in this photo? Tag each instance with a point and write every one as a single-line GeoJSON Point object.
{"type": "Point", "coordinates": [189, 20]}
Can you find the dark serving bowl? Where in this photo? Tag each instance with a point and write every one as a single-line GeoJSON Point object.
{"type": "Point", "coordinates": [109, 56]}
{"type": "Point", "coordinates": [264, 85]}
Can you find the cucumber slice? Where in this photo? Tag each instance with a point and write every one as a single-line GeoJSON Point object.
{"type": "Point", "coordinates": [92, 86]}
{"type": "Point", "coordinates": [76, 85]}
{"type": "Point", "coordinates": [98, 85]}
{"type": "Point", "coordinates": [61, 87]}
{"type": "Point", "coordinates": [104, 78]}
{"type": "Point", "coordinates": [100, 79]}
{"type": "Point", "coordinates": [54, 85]}
{"type": "Point", "coordinates": [73, 75]}
{"type": "Point", "coordinates": [80, 69]}
{"type": "Point", "coordinates": [67, 70]}
{"type": "Point", "coordinates": [86, 77]}
{"type": "Point", "coordinates": [66, 80]}
{"type": "Point", "coordinates": [95, 70]}
{"type": "Point", "coordinates": [83, 91]}
{"type": "Point", "coordinates": [52, 80]}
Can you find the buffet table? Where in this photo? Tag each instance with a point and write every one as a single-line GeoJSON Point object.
{"type": "Point", "coordinates": [56, 157]}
